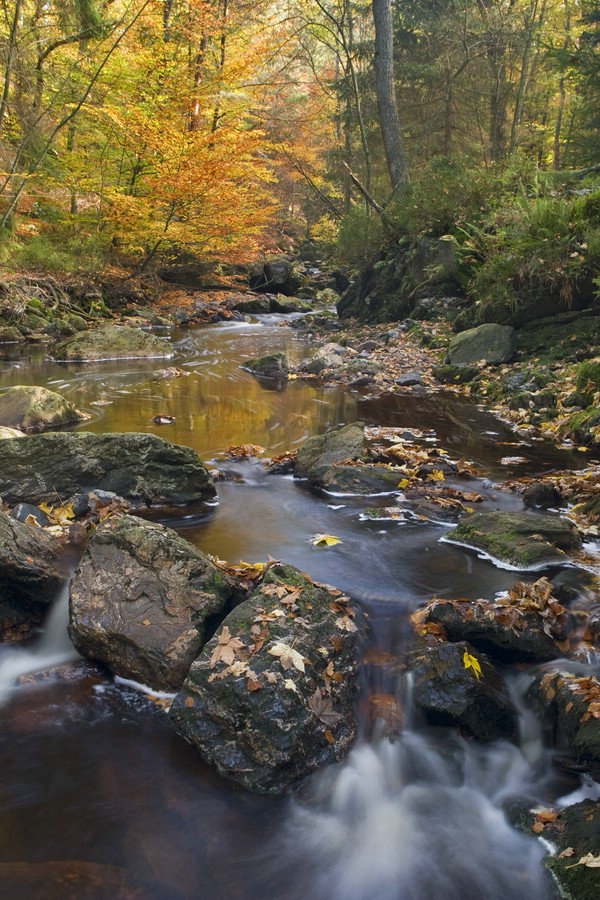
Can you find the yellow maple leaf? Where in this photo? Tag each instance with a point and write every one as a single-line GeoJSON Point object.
{"type": "Point", "coordinates": [471, 662]}
{"type": "Point", "coordinates": [325, 540]}
{"type": "Point", "coordinates": [436, 475]}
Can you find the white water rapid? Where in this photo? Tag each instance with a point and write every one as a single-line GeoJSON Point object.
{"type": "Point", "coordinates": [52, 648]}
{"type": "Point", "coordinates": [404, 820]}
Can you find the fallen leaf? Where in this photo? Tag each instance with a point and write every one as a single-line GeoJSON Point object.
{"type": "Point", "coordinates": [288, 657]}
{"type": "Point", "coordinates": [345, 623]}
{"type": "Point", "coordinates": [226, 648]}
{"type": "Point", "coordinates": [325, 540]}
{"type": "Point", "coordinates": [290, 685]}
{"type": "Point", "coordinates": [471, 662]}
{"type": "Point", "coordinates": [322, 705]}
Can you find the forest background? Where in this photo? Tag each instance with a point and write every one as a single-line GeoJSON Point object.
{"type": "Point", "coordinates": [137, 130]}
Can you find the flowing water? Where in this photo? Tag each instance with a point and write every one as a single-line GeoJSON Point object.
{"type": "Point", "coordinates": [99, 798]}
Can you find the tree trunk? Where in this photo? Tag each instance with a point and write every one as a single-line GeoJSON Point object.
{"type": "Point", "coordinates": [389, 118]}
{"type": "Point", "coordinates": [12, 44]}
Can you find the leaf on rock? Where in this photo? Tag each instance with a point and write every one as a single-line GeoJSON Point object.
{"type": "Point", "coordinates": [471, 662]}
{"type": "Point", "coordinates": [226, 649]}
{"type": "Point", "coordinates": [322, 705]}
{"type": "Point", "coordinates": [436, 475]}
{"type": "Point", "coordinates": [345, 623]}
{"type": "Point", "coordinates": [288, 657]}
{"type": "Point", "coordinates": [290, 685]}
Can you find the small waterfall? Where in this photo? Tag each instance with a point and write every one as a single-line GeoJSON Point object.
{"type": "Point", "coordinates": [405, 820]}
{"type": "Point", "coordinates": [52, 648]}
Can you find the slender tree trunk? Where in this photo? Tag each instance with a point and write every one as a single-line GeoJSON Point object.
{"type": "Point", "coordinates": [222, 60]}
{"type": "Point", "coordinates": [562, 96]}
{"type": "Point", "coordinates": [12, 45]}
{"type": "Point", "coordinates": [389, 118]}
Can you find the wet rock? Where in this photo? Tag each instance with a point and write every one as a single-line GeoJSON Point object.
{"type": "Point", "coordinates": [7, 433]}
{"type": "Point", "coordinates": [141, 601]}
{"type": "Point", "coordinates": [526, 625]}
{"type": "Point", "coordinates": [10, 335]}
{"type": "Point", "coordinates": [31, 409]}
{"type": "Point", "coordinates": [270, 698]}
{"type": "Point", "coordinates": [274, 365]}
{"type": "Point", "coordinates": [29, 576]}
{"type": "Point", "coordinates": [570, 706]}
{"type": "Point", "coordinates": [24, 511]}
{"type": "Point", "coordinates": [112, 342]}
{"type": "Point", "coordinates": [282, 304]}
{"type": "Point", "coordinates": [455, 374]}
{"type": "Point", "coordinates": [486, 343]}
{"type": "Point", "coordinates": [524, 540]}
{"type": "Point", "coordinates": [575, 831]}
{"type": "Point", "coordinates": [330, 449]}
{"type": "Point", "coordinates": [409, 379]}
{"type": "Point", "coordinates": [450, 692]}
{"type": "Point", "coordinates": [253, 304]}
{"type": "Point", "coordinates": [329, 356]}
{"type": "Point", "coordinates": [141, 468]}
{"type": "Point", "coordinates": [542, 495]}
{"type": "Point", "coordinates": [278, 274]}
{"type": "Point", "coordinates": [349, 479]}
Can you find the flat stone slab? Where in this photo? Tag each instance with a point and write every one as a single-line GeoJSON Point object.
{"type": "Point", "coordinates": [112, 342]}
{"type": "Point", "coordinates": [141, 468]}
{"type": "Point", "coordinates": [523, 540]}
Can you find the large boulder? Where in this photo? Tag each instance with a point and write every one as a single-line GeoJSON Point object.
{"type": "Point", "coordinates": [142, 468]}
{"type": "Point", "coordinates": [486, 343]}
{"type": "Point", "coordinates": [526, 625]}
{"type": "Point", "coordinates": [278, 274]}
{"type": "Point", "coordinates": [112, 342]}
{"type": "Point", "coordinates": [413, 267]}
{"type": "Point", "coordinates": [330, 449]}
{"type": "Point", "coordinates": [142, 599]}
{"type": "Point", "coordinates": [570, 707]}
{"type": "Point", "coordinates": [29, 575]}
{"type": "Point", "coordinates": [327, 460]}
{"type": "Point", "coordinates": [270, 698]}
{"type": "Point", "coordinates": [453, 684]}
{"type": "Point", "coordinates": [329, 356]}
{"type": "Point", "coordinates": [573, 834]}
{"type": "Point", "coordinates": [30, 408]}
{"type": "Point", "coordinates": [273, 365]}
{"type": "Point", "coordinates": [524, 540]}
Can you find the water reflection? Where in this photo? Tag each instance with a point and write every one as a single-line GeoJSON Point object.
{"type": "Point", "coordinates": [100, 799]}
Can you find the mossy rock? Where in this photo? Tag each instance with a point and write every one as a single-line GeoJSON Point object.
{"type": "Point", "coordinates": [448, 374]}
{"type": "Point", "coordinates": [31, 409]}
{"type": "Point", "coordinates": [576, 829]}
{"type": "Point", "coordinates": [274, 365]}
{"type": "Point", "coordinates": [523, 540]}
{"type": "Point", "coordinates": [141, 600]}
{"type": "Point", "coordinates": [34, 322]}
{"type": "Point", "coordinates": [265, 719]}
{"type": "Point", "coordinates": [112, 342]}
{"type": "Point", "coordinates": [10, 335]}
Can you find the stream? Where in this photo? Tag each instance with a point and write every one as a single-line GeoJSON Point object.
{"type": "Point", "coordinates": [99, 798]}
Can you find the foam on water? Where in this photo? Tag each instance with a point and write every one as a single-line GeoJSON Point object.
{"type": "Point", "coordinates": [52, 648]}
